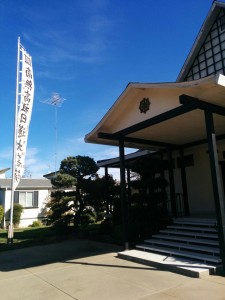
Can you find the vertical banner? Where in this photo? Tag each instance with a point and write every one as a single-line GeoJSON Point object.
{"type": "Point", "coordinates": [24, 114]}
{"type": "Point", "coordinates": [23, 110]}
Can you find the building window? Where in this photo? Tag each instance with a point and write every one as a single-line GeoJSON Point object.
{"type": "Point", "coordinates": [188, 161]}
{"type": "Point", "coordinates": [26, 198]}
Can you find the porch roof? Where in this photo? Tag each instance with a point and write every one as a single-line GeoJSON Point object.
{"type": "Point", "coordinates": [129, 158]}
{"type": "Point", "coordinates": [167, 122]}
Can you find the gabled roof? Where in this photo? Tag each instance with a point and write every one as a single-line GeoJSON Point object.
{"type": "Point", "coordinates": [27, 183]}
{"type": "Point", "coordinates": [210, 19]}
{"type": "Point", "coordinates": [164, 97]}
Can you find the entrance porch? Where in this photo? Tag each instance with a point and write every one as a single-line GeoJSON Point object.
{"type": "Point", "coordinates": [184, 124]}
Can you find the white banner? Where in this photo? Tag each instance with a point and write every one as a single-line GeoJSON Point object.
{"type": "Point", "coordinates": [24, 114]}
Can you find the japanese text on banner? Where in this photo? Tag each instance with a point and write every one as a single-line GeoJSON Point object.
{"type": "Point", "coordinates": [24, 115]}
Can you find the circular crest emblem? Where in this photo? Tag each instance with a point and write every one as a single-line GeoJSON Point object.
{"type": "Point", "coordinates": [144, 105]}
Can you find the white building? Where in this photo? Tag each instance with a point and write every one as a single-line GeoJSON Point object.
{"type": "Point", "coordinates": [32, 194]}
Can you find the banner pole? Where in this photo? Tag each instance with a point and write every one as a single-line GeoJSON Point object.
{"type": "Point", "coordinates": [10, 229]}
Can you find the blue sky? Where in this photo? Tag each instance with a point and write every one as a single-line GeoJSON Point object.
{"type": "Point", "coordinates": [87, 51]}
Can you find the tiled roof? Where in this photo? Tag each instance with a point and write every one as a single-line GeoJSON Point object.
{"type": "Point", "coordinates": [27, 183]}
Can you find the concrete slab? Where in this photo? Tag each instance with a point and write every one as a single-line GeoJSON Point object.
{"type": "Point", "coordinates": [195, 290]}
{"type": "Point", "coordinates": [29, 287]}
{"type": "Point", "coordinates": [85, 270]}
{"type": "Point", "coordinates": [178, 265]}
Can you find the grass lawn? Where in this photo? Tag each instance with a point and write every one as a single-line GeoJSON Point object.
{"type": "Point", "coordinates": [31, 236]}
{"type": "Point", "coordinates": [25, 237]}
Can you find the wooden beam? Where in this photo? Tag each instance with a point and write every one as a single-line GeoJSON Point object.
{"type": "Point", "coordinates": [200, 104]}
{"type": "Point", "coordinates": [170, 114]}
{"type": "Point", "coordinates": [203, 141]}
{"type": "Point", "coordinates": [114, 136]}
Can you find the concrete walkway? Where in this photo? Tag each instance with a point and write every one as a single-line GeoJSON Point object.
{"type": "Point", "coordinates": [80, 269]}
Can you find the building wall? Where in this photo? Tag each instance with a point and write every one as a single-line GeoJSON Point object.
{"type": "Point", "coordinates": [199, 182]}
{"type": "Point", "coordinates": [29, 214]}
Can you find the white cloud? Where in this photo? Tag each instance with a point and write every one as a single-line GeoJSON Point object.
{"type": "Point", "coordinates": [34, 166]}
{"type": "Point", "coordinates": [32, 152]}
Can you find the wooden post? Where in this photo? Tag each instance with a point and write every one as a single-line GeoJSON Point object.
{"type": "Point", "coordinates": [172, 184]}
{"type": "Point", "coordinates": [106, 190]}
{"type": "Point", "coordinates": [184, 183]}
{"type": "Point", "coordinates": [123, 194]}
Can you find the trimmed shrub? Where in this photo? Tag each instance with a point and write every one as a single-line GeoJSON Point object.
{"type": "Point", "coordinates": [17, 211]}
{"type": "Point", "coordinates": [100, 216]}
{"type": "Point", "coordinates": [1, 213]}
{"type": "Point", "coordinates": [36, 223]}
{"type": "Point", "coordinates": [88, 217]}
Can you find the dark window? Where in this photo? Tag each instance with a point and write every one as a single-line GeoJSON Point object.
{"type": "Point", "coordinates": [188, 161]}
{"type": "Point", "coordinates": [26, 198]}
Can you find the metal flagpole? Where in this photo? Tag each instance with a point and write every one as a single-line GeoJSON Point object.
{"type": "Point", "coordinates": [56, 137]}
{"type": "Point", "coordinates": [10, 229]}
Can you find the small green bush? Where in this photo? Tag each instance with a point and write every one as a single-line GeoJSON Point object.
{"type": "Point", "coordinates": [17, 211]}
{"type": "Point", "coordinates": [36, 223]}
{"type": "Point", "coordinates": [88, 217]}
{"type": "Point", "coordinates": [1, 213]}
{"type": "Point", "coordinates": [100, 216]}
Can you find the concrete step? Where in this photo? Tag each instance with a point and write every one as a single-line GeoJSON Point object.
{"type": "Point", "coordinates": [205, 223]}
{"type": "Point", "coordinates": [188, 240]}
{"type": "Point", "coordinates": [189, 233]}
{"type": "Point", "coordinates": [192, 228]}
{"type": "Point", "coordinates": [200, 257]}
{"type": "Point", "coordinates": [174, 264]}
{"type": "Point", "coordinates": [179, 246]}
{"type": "Point", "coordinates": [197, 221]}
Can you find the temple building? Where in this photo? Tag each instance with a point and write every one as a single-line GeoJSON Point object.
{"type": "Point", "coordinates": [184, 123]}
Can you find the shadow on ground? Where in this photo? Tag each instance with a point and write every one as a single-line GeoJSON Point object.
{"type": "Point", "coordinates": [51, 253]}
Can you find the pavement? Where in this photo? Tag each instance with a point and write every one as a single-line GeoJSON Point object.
{"type": "Point", "coordinates": [82, 269]}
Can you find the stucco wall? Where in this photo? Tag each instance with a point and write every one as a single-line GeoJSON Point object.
{"type": "Point", "coordinates": [199, 182]}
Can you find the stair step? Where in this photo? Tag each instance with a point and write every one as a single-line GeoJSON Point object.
{"type": "Point", "coordinates": [211, 250]}
{"type": "Point", "coordinates": [189, 233]}
{"type": "Point", "coordinates": [201, 257]}
{"type": "Point", "coordinates": [186, 239]}
{"type": "Point", "coordinates": [196, 223]}
{"type": "Point", "coordinates": [193, 228]}
{"type": "Point", "coordinates": [180, 265]}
